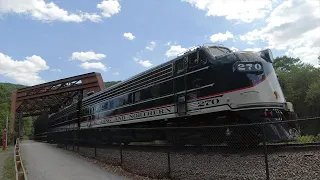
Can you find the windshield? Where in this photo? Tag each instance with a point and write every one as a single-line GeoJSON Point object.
{"type": "Point", "coordinates": [218, 51]}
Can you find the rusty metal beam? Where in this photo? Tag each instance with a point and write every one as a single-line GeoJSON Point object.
{"type": "Point", "coordinates": [74, 78]}
{"type": "Point", "coordinates": [51, 96]}
{"type": "Point", "coordinates": [62, 90]}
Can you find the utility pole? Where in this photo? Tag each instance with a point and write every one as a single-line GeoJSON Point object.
{"type": "Point", "coordinates": [7, 131]}
{"type": "Point", "coordinates": [5, 136]}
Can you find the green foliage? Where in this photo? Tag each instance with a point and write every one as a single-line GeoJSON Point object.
{"type": "Point", "coordinates": [27, 126]}
{"type": "Point", "coordinates": [285, 63]}
{"type": "Point", "coordinates": [110, 83]}
{"type": "Point", "coordinates": [6, 90]}
{"type": "Point", "coordinates": [9, 169]}
{"type": "Point", "coordinates": [317, 138]}
{"type": "Point", "coordinates": [301, 85]}
{"type": "Point", "coordinates": [305, 139]}
{"type": "Point", "coordinates": [308, 139]}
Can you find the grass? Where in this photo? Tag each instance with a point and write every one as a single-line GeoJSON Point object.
{"type": "Point", "coordinates": [308, 139]}
{"type": "Point", "coordinates": [9, 169]}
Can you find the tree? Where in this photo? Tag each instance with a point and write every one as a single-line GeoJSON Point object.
{"type": "Point", "coordinates": [300, 83]}
{"type": "Point", "coordinates": [110, 83]}
{"type": "Point", "coordinates": [285, 63]}
{"type": "Point", "coordinates": [27, 126]}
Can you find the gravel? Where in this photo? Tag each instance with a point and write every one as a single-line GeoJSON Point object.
{"type": "Point", "coordinates": [297, 165]}
{"type": "Point", "coordinates": [282, 165]}
{"type": "Point", "coordinates": [154, 165]}
{"type": "Point", "coordinates": [109, 156]}
{"type": "Point", "coordinates": [217, 166]}
{"type": "Point", "coordinates": [87, 152]}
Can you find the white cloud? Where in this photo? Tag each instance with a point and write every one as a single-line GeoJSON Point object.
{"type": "Point", "coordinates": [292, 26]}
{"type": "Point", "coordinates": [175, 50]}
{"type": "Point", "coordinates": [168, 43]}
{"type": "Point", "coordinates": [116, 73]}
{"type": "Point", "coordinates": [47, 12]}
{"type": "Point", "coordinates": [245, 11]}
{"type": "Point", "coordinates": [109, 7]}
{"type": "Point", "coordinates": [93, 65]}
{"type": "Point", "coordinates": [92, 17]}
{"type": "Point", "coordinates": [221, 37]}
{"type": "Point", "coordinates": [251, 36]}
{"type": "Point", "coordinates": [55, 70]}
{"type": "Point", "coordinates": [129, 36]}
{"type": "Point", "coordinates": [252, 49]}
{"type": "Point", "coordinates": [144, 63]}
{"type": "Point", "coordinates": [234, 49]}
{"type": "Point", "coordinates": [86, 56]}
{"type": "Point", "coordinates": [151, 46]}
{"type": "Point", "coordinates": [25, 71]}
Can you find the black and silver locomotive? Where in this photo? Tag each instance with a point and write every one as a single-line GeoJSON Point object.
{"type": "Point", "coordinates": [207, 85]}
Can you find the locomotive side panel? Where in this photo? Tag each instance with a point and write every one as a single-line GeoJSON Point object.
{"type": "Point", "coordinates": [197, 88]}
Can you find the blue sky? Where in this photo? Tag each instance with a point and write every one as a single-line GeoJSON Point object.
{"type": "Point", "coordinates": [57, 43]}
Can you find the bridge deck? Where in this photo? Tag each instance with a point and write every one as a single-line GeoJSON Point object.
{"type": "Point", "coordinates": [44, 162]}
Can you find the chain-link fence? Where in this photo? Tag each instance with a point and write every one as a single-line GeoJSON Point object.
{"type": "Point", "coordinates": [272, 150]}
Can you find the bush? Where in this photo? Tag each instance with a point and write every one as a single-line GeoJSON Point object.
{"type": "Point", "coordinates": [305, 139]}
{"type": "Point", "coordinates": [317, 138]}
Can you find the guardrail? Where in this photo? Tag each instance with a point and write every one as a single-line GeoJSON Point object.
{"type": "Point", "coordinates": [20, 171]}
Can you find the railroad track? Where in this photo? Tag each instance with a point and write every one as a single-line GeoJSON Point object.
{"type": "Point", "coordinates": [209, 148]}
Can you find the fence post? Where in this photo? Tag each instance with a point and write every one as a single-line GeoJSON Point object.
{"type": "Point", "coordinates": [96, 144]}
{"type": "Point", "coordinates": [168, 156]}
{"type": "Point", "coordinates": [66, 142]}
{"type": "Point", "coordinates": [121, 158]}
{"type": "Point", "coordinates": [73, 137]}
{"type": "Point", "coordinates": [77, 140]}
{"type": "Point", "coordinates": [265, 152]}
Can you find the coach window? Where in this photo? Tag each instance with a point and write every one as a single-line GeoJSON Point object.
{"type": "Point", "coordinates": [98, 107]}
{"type": "Point", "coordinates": [116, 102]}
{"type": "Point", "coordinates": [111, 104]}
{"type": "Point", "coordinates": [203, 57]}
{"type": "Point", "coordinates": [193, 59]}
{"type": "Point", "coordinates": [137, 96]}
{"type": "Point", "coordinates": [130, 99]}
{"type": "Point", "coordinates": [125, 99]}
{"type": "Point", "coordinates": [155, 90]}
{"type": "Point", "coordinates": [180, 66]}
{"type": "Point", "coordinates": [105, 106]}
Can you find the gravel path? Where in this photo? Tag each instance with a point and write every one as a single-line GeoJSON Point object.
{"type": "Point", "coordinates": [44, 162]}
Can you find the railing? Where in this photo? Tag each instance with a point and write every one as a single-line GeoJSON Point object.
{"type": "Point", "coordinates": [209, 157]}
{"type": "Point", "coordinates": [19, 168]}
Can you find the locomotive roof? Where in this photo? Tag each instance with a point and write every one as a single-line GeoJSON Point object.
{"type": "Point", "coordinates": [179, 56]}
{"type": "Point", "coordinates": [185, 53]}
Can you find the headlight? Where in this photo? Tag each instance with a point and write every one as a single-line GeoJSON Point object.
{"type": "Point", "coordinates": [267, 55]}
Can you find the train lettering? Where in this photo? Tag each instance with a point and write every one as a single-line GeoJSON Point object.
{"type": "Point", "coordinates": [137, 115]}
{"type": "Point", "coordinates": [209, 102]}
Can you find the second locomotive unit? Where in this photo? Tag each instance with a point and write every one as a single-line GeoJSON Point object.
{"type": "Point", "coordinates": [206, 86]}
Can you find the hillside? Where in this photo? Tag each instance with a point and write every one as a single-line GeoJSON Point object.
{"type": "Point", "coordinates": [110, 83]}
